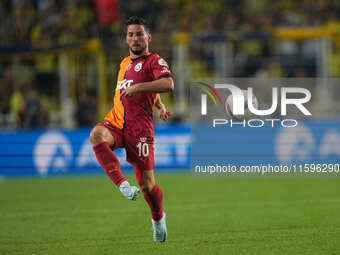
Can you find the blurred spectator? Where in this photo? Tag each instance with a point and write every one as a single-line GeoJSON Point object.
{"type": "Point", "coordinates": [334, 61]}
{"type": "Point", "coordinates": [6, 88]}
{"type": "Point", "coordinates": [300, 73]}
{"type": "Point", "coordinates": [32, 114]}
{"type": "Point", "coordinates": [107, 14]}
{"type": "Point", "coordinates": [17, 104]}
{"type": "Point", "coordinates": [269, 69]}
{"type": "Point", "coordinates": [86, 113]}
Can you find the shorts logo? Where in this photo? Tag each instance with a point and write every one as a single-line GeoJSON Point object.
{"type": "Point", "coordinates": [162, 62]}
{"type": "Point", "coordinates": [138, 67]}
{"type": "Point", "coordinates": [143, 139]}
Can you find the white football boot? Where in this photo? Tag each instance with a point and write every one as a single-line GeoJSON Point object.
{"type": "Point", "coordinates": [159, 230]}
{"type": "Point", "coordinates": [131, 192]}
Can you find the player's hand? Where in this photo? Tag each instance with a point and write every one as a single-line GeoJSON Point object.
{"type": "Point", "coordinates": [130, 91]}
{"type": "Point", "coordinates": [163, 113]}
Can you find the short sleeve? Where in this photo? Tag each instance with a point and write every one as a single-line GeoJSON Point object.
{"type": "Point", "coordinates": [160, 68]}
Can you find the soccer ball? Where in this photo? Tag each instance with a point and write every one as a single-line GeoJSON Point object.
{"type": "Point", "coordinates": [247, 114]}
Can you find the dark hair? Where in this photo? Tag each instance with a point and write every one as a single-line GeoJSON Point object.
{"type": "Point", "coordinates": [134, 20]}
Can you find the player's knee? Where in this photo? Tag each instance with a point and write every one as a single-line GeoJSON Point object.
{"type": "Point", "coordinates": [96, 136]}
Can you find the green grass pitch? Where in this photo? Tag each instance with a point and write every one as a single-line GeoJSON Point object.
{"type": "Point", "coordinates": [88, 215]}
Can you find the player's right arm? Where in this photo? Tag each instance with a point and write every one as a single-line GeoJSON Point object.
{"type": "Point", "coordinates": [162, 79]}
{"type": "Point", "coordinates": [158, 86]}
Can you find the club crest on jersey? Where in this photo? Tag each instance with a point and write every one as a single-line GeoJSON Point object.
{"type": "Point", "coordinates": [124, 84]}
{"type": "Point", "coordinates": [138, 67]}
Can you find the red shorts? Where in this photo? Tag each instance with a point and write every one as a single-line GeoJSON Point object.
{"type": "Point", "coordinates": [139, 150]}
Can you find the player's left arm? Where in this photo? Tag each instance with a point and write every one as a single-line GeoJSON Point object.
{"type": "Point", "coordinates": [161, 109]}
{"type": "Point", "coordinates": [161, 85]}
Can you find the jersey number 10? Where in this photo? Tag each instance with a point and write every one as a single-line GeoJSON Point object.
{"type": "Point", "coordinates": [143, 149]}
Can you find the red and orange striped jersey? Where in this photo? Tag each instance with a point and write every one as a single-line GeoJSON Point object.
{"type": "Point", "coordinates": [135, 113]}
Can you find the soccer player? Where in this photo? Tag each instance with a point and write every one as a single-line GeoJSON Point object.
{"type": "Point", "coordinates": [141, 77]}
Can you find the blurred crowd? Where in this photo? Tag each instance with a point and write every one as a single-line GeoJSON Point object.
{"type": "Point", "coordinates": [46, 21]}
{"type": "Point", "coordinates": [43, 22]}
{"type": "Point", "coordinates": [39, 24]}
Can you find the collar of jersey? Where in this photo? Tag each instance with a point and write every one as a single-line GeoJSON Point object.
{"type": "Point", "coordinates": [145, 55]}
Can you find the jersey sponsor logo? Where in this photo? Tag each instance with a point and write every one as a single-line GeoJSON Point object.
{"type": "Point", "coordinates": [124, 84]}
{"type": "Point", "coordinates": [162, 62]}
{"type": "Point", "coordinates": [128, 67]}
{"type": "Point", "coordinates": [138, 67]}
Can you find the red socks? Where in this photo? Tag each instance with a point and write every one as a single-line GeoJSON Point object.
{"type": "Point", "coordinates": [108, 160]}
{"type": "Point", "coordinates": [155, 202]}
{"type": "Point", "coordinates": [154, 198]}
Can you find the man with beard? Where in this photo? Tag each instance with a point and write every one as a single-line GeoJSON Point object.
{"type": "Point", "coordinates": [129, 124]}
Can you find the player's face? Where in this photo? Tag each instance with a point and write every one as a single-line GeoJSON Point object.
{"type": "Point", "coordinates": [137, 39]}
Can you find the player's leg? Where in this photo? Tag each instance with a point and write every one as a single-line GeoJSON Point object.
{"type": "Point", "coordinates": [140, 153]}
{"type": "Point", "coordinates": [102, 141]}
{"type": "Point", "coordinates": [153, 195]}
{"type": "Point", "coordinates": [104, 137]}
